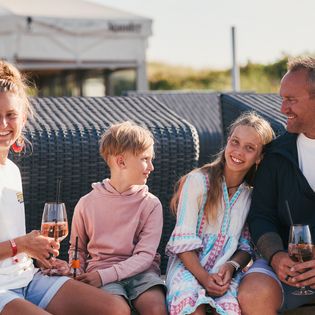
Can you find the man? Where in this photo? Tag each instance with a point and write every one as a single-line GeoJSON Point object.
{"type": "Point", "coordinates": [287, 173]}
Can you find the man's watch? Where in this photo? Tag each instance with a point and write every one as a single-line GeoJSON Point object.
{"type": "Point", "coordinates": [235, 264]}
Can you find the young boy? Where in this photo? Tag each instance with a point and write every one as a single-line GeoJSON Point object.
{"type": "Point", "coordinates": [119, 224]}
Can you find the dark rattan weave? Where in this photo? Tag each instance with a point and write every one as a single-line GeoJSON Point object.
{"type": "Point", "coordinates": [267, 105]}
{"type": "Point", "coordinates": [202, 109]}
{"type": "Point", "coordinates": [65, 133]}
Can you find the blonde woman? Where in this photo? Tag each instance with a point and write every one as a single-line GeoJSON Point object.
{"type": "Point", "coordinates": [24, 289]}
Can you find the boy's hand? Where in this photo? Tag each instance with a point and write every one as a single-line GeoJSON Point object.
{"type": "Point", "coordinates": [91, 278]}
{"type": "Point", "coordinates": [59, 268]}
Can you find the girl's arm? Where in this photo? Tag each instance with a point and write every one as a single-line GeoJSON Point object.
{"type": "Point", "coordinates": [242, 258]}
{"type": "Point", "coordinates": [184, 237]}
{"type": "Point", "coordinates": [239, 259]}
{"type": "Point", "coordinates": [244, 250]}
{"type": "Point", "coordinates": [213, 283]}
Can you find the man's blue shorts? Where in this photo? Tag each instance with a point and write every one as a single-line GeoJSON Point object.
{"type": "Point", "coordinates": [289, 301]}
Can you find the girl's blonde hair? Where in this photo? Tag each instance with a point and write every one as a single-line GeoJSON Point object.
{"type": "Point", "coordinates": [11, 80]}
{"type": "Point", "coordinates": [215, 169]}
{"type": "Point", "coordinates": [125, 137]}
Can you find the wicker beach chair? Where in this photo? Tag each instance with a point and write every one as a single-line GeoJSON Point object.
{"type": "Point", "coordinates": [201, 109]}
{"type": "Point", "coordinates": [65, 132]}
{"type": "Point", "coordinates": [267, 105]}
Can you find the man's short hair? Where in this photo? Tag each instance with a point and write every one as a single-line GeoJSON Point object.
{"type": "Point", "coordinates": [125, 137]}
{"type": "Point", "coordinates": [307, 64]}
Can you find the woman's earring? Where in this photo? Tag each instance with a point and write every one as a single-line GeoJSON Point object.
{"type": "Point", "coordinates": [18, 145]}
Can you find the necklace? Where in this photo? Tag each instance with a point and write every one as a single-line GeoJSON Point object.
{"type": "Point", "coordinates": [233, 186]}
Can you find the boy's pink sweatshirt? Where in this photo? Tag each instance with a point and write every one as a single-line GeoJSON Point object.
{"type": "Point", "coordinates": [119, 233]}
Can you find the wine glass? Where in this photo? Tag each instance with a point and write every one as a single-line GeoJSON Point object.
{"type": "Point", "coordinates": [54, 221]}
{"type": "Point", "coordinates": [300, 249]}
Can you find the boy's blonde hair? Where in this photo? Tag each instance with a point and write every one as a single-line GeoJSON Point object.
{"type": "Point", "coordinates": [125, 137]}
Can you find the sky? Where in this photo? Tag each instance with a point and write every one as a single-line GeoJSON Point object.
{"type": "Point", "coordinates": [197, 33]}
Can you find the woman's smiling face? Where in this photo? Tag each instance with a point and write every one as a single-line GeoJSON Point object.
{"type": "Point", "coordinates": [12, 120]}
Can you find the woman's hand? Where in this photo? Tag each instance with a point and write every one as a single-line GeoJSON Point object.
{"type": "Point", "coordinates": [91, 278]}
{"type": "Point", "coordinates": [38, 246]}
{"type": "Point", "coordinates": [59, 268]}
{"type": "Point", "coordinates": [226, 272]}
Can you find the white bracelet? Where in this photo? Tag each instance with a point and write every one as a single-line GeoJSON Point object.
{"type": "Point", "coordinates": [235, 264]}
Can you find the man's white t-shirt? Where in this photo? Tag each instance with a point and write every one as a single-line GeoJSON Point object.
{"type": "Point", "coordinates": [306, 153]}
{"type": "Point", "coordinates": [15, 272]}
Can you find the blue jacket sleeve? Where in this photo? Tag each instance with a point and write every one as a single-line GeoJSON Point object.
{"type": "Point", "coordinates": [263, 216]}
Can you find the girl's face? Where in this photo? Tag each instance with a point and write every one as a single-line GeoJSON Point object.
{"type": "Point", "coordinates": [243, 150]}
{"type": "Point", "coordinates": [12, 120]}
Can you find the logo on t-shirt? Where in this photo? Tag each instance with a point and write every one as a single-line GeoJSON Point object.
{"type": "Point", "coordinates": [19, 196]}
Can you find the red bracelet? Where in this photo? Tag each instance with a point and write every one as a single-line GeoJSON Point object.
{"type": "Point", "coordinates": [13, 247]}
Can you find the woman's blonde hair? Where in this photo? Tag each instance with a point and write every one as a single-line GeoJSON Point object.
{"type": "Point", "coordinates": [11, 80]}
{"type": "Point", "coordinates": [125, 137]}
{"type": "Point", "coordinates": [215, 169]}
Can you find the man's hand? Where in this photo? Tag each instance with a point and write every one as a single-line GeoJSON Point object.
{"type": "Point", "coordinates": [304, 274]}
{"type": "Point", "coordinates": [91, 278]}
{"type": "Point", "coordinates": [282, 264]}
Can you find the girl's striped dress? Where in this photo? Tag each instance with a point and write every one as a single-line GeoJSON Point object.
{"type": "Point", "coordinates": [214, 242]}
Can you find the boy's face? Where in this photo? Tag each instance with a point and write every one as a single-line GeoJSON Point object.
{"type": "Point", "coordinates": [138, 167]}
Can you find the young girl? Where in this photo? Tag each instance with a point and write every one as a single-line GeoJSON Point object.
{"type": "Point", "coordinates": [24, 289]}
{"type": "Point", "coordinates": [210, 245]}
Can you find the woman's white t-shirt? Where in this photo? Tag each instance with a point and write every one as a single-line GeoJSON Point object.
{"type": "Point", "coordinates": [15, 272]}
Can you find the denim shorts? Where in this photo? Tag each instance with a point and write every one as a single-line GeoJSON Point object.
{"type": "Point", "coordinates": [130, 288]}
{"type": "Point", "coordinates": [39, 291]}
{"type": "Point", "coordinates": [289, 301]}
